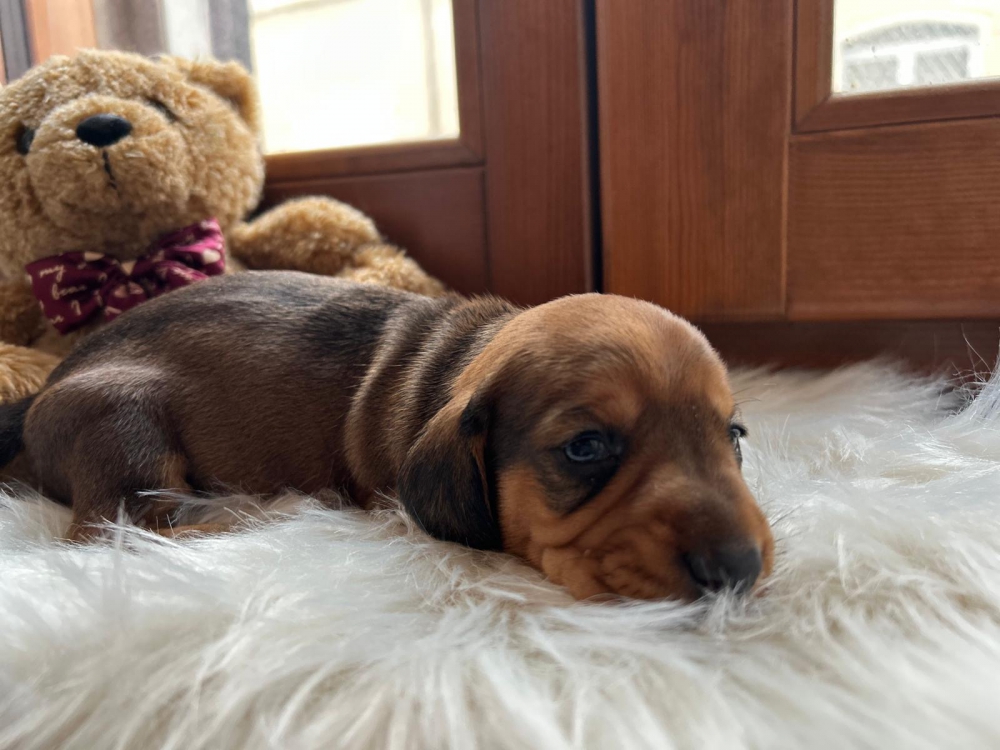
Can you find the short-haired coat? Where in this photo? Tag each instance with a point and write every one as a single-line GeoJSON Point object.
{"type": "Point", "coordinates": [593, 436]}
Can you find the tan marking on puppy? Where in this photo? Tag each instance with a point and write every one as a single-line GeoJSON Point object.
{"type": "Point", "coordinates": [94, 509]}
{"type": "Point", "coordinates": [592, 435]}
{"type": "Point", "coordinates": [678, 490]}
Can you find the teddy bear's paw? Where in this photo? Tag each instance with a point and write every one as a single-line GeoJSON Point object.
{"type": "Point", "coordinates": [22, 371]}
{"type": "Point", "coordinates": [21, 320]}
{"type": "Point", "coordinates": [318, 235]}
{"type": "Point", "coordinates": [389, 266]}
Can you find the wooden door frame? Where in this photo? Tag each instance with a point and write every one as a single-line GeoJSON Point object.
{"type": "Point", "coordinates": [818, 108]}
{"type": "Point", "coordinates": [694, 121]}
{"type": "Point", "coordinates": [724, 202]}
{"type": "Point", "coordinates": [523, 101]}
{"type": "Point", "coordinates": [465, 150]}
{"type": "Point", "coordinates": [536, 94]}
{"type": "Point", "coordinates": [891, 194]}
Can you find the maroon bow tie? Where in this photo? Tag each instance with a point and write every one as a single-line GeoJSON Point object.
{"type": "Point", "coordinates": [72, 288]}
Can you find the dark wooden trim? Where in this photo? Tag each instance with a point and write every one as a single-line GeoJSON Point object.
{"type": "Point", "coordinates": [929, 345]}
{"type": "Point", "coordinates": [895, 222]}
{"type": "Point", "coordinates": [695, 113]}
{"type": "Point", "coordinates": [60, 27]}
{"type": "Point", "coordinates": [596, 276]}
{"type": "Point", "coordinates": [813, 56]}
{"type": "Point", "coordinates": [465, 15]}
{"type": "Point", "coordinates": [923, 104]}
{"type": "Point", "coordinates": [436, 215]}
{"type": "Point", "coordinates": [393, 157]}
{"type": "Point", "coordinates": [535, 98]}
{"type": "Point", "coordinates": [465, 150]}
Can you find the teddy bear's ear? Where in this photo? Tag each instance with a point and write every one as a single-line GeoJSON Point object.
{"type": "Point", "coordinates": [230, 80]}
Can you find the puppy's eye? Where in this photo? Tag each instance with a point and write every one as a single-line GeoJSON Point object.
{"type": "Point", "coordinates": [162, 108]}
{"type": "Point", "coordinates": [736, 432]}
{"type": "Point", "coordinates": [24, 138]}
{"type": "Point", "coordinates": [584, 466]}
{"type": "Point", "coordinates": [587, 448]}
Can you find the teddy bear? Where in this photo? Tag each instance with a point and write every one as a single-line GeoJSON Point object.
{"type": "Point", "coordinates": [123, 177]}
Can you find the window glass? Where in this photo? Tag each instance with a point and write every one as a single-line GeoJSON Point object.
{"type": "Point", "coordinates": [880, 45]}
{"type": "Point", "coordinates": [335, 73]}
{"type": "Point", "coordinates": [331, 73]}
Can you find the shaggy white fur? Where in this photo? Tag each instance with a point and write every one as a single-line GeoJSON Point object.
{"type": "Point", "coordinates": [880, 627]}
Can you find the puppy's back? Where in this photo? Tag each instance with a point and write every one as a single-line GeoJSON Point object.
{"type": "Point", "coordinates": [254, 373]}
{"type": "Point", "coordinates": [256, 316]}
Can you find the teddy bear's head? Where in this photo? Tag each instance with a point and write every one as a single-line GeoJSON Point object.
{"type": "Point", "coordinates": [106, 151]}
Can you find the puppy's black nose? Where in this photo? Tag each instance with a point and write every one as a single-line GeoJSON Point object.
{"type": "Point", "coordinates": [732, 565]}
{"type": "Point", "coordinates": [103, 130]}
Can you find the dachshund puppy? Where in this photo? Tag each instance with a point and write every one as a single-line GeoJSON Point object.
{"type": "Point", "coordinates": [593, 436]}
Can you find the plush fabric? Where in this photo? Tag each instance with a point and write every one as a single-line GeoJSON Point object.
{"type": "Point", "coordinates": [330, 628]}
{"type": "Point", "coordinates": [181, 148]}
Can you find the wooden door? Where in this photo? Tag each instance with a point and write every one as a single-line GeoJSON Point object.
{"type": "Point", "coordinates": [737, 185]}
{"type": "Point", "coordinates": [504, 206]}
{"type": "Point", "coordinates": [500, 203]}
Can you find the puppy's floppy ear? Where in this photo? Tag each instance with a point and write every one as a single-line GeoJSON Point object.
{"type": "Point", "coordinates": [443, 481]}
{"type": "Point", "coordinates": [229, 80]}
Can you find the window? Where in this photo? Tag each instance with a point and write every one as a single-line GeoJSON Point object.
{"type": "Point", "coordinates": [919, 53]}
{"type": "Point", "coordinates": [885, 45]}
{"type": "Point", "coordinates": [353, 72]}
{"type": "Point", "coordinates": [331, 73]}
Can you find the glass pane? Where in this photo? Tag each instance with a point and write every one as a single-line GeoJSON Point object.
{"type": "Point", "coordinates": [880, 45]}
{"type": "Point", "coordinates": [331, 73]}
{"type": "Point", "coordinates": [336, 73]}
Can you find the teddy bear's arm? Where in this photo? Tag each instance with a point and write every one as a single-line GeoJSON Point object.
{"type": "Point", "coordinates": [325, 236]}
{"type": "Point", "coordinates": [318, 235]}
{"type": "Point", "coordinates": [22, 371]}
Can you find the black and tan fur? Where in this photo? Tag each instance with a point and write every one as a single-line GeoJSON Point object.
{"type": "Point", "coordinates": [266, 381]}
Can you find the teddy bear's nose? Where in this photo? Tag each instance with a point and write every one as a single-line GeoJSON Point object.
{"type": "Point", "coordinates": [103, 130]}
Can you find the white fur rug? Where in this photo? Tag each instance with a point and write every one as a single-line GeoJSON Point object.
{"type": "Point", "coordinates": [880, 628]}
